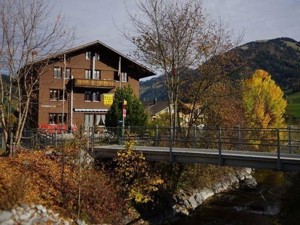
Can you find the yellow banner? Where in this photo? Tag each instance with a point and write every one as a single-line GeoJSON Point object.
{"type": "Point", "coordinates": [108, 99]}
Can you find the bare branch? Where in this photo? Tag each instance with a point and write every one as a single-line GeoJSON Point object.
{"type": "Point", "coordinates": [173, 36]}
{"type": "Point", "coordinates": [27, 33]}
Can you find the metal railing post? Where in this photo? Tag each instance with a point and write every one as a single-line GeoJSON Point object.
{"type": "Point", "coordinates": [156, 135]}
{"type": "Point", "coordinates": [238, 138]}
{"type": "Point", "coordinates": [194, 136]}
{"type": "Point", "coordinates": [290, 139]}
{"type": "Point", "coordinates": [278, 150]}
{"type": "Point", "coordinates": [171, 144]}
{"type": "Point", "coordinates": [220, 146]}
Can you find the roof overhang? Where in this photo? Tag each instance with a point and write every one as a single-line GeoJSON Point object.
{"type": "Point", "coordinates": [145, 72]}
{"type": "Point", "coordinates": [91, 110]}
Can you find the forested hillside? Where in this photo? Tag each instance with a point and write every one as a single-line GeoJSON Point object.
{"type": "Point", "coordinates": [280, 57]}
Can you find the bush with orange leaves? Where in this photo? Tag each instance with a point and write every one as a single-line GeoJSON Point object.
{"type": "Point", "coordinates": [57, 180]}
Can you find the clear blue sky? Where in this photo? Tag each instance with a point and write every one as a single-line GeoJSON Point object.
{"type": "Point", "coordinates": [258, 19]}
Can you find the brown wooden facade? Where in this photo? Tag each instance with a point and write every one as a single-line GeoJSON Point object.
{"type": "Point", "coordinates": [77, 85]}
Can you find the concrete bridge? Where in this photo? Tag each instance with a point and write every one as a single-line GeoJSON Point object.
{"type": "Point", "coordinates": [277, 149]}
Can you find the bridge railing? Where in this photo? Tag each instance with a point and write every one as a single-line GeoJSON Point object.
{"type": "Point", "coordinates": [285, 140]}
{"type": "Point", "coordinates": [228, 138]}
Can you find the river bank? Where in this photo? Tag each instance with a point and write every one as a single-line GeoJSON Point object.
{"type": "Point", "coordinates": [185, 201]}
{"type": "Point", "coordinates": [275, 201]}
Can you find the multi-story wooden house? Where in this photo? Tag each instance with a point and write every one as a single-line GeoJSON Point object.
{"type": "Point", "coordinates": [78, 85]}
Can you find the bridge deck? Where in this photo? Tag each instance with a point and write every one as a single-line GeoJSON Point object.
{"type": "Point", "coordinates": [262, 160]}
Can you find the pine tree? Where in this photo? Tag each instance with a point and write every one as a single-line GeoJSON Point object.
{"type": "Point", "coordinates": [135, 112]}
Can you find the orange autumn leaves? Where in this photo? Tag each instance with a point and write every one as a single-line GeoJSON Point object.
{"type": "Point", "coordinates": [263, 101]}
{"type": "Point", "coordinates": [54, 180]}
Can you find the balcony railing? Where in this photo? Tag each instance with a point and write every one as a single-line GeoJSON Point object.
{"type": "Point", "coordinates": [94, 83]}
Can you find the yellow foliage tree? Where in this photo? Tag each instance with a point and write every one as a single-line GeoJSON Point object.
{"type": "Point", "coordinates": [263, 101]}
{"type": "Point", "coordinates": [133, 175]}
{"type": "Point", "coordinates": [264, 108]}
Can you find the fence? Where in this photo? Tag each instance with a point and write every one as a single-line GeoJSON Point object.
{"type": "Point", "coordinates": [229, 138]}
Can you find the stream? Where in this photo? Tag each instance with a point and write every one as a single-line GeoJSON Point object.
{"type": "Point", "coordinates": [275, 201]}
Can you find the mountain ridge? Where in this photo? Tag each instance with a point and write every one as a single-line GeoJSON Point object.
{"type": "Point", "coordinates": [280, 57]}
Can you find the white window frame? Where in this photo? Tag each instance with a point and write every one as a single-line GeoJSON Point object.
{"type": "Point", "coordinates": [88, 74]}
{"type": "Point", "coordinates": [124, 77]}
{"type": "Point", "coordinates": [92, 96]}
{"type": "Point", "coordinates": [57, 95]}
{"type": "Point", "coordinates": [97, 74]}
{"type": "Point", "coordinates": [97, 56]}
{"type": "Point", "coordinates": [88, 55]}
{"type": "Point", "coordinates": [57, 72]}
{"type": "Point", "coordinates": [68, 73]}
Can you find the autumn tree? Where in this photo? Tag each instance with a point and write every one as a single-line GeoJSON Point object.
{"type": "Point", "coordinates": [173, 36]}
{"type": "Point", "coordinates": [136, 182]}
{"type": "Point", "coordinates": [26, 32]}
{"type": "Point", "coordinates": [135, 112]}
{"type": "Point", "coordinates": [226, 109]}
{"type": "Point", "coordinates": [264, 107]}
{"type": "Point", "coordinates": [212, 92]}
{"type": "Point", "coordinates": [263, 101]}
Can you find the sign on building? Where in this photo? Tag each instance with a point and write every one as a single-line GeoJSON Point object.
{"type": "Point", "coordinates": [108, 99]}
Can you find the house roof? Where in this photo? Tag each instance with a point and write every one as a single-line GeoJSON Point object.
{"type": "Point", "coordinates": [156, 108]}
{"type": "Point", "coordinates": [130, 64]}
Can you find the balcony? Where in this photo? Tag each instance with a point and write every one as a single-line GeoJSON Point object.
{"type": "Point", "coordinates": [88, 83]}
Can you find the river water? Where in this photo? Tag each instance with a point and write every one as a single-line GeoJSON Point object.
{"type": "Point", "coordinates": [275, 201]}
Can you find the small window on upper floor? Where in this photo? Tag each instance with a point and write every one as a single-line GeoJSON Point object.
{"type": "Point", "coordinates": [88, 55]}
{"type": "Point", "coordinates": [57, 72]}
{"type": "Point", "coordinates": [68, 73]}
{"type": "Point", "coordinates": [97, 74]}
{"type": "Point", "coordinates": [97, 56]}
{"type": "Point", "coordinates": [92, 96]}
{"type": "Point", "coordinates": [88, 74]}
{"type": "Point", "coordinates": [57, 95]}
{"type": "Point", "coordinates": [124, 77]}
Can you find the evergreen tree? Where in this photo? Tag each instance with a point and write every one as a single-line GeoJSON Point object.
{"type": "Point", "coordinates": [135, 112]}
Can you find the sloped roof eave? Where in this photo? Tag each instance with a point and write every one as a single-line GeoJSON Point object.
{"type": "Point", "coordinates": [149, 71]}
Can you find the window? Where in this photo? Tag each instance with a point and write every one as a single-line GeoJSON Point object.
{"type": "Point", "coordinates": [57, 95]}
{"type": "Point", "coordinates": [96, 96]}
{"type": "Point", "coordinates": [97, 56]}
{"type": "Point", "coordinates": [53, 95]}
{"type": "Point", "coordinates": [88, 96]}
{"type": "Point", "coordinates": [124, 77]}
{"type": "Point", "coordinates": [57, 118]}
{"type": "Point", "coordinates": [100, 120]}
{"type": "Point", "coordinates": [57, 72]}
{"type": "Point", "coordinates": [94, 120]}
{"type": "Point", "coordinates": [68, 73]}
{"type": "Point", "coordinates": [97, 75]}
{"type": "Point", "coordinates": [88, 74]}
{"type": "Point", "coordinates": [92, 96]}
{"type": "Point", "coordinates": [88, 55]}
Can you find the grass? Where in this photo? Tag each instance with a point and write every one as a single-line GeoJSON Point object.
{"type": "Point", "coordinates": [293, 106]}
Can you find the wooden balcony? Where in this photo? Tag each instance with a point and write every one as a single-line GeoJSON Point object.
{"type": "Point", "coordinates": [107, 84]}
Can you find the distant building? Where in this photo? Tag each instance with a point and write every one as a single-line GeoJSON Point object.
{"type": "Point", "coordinates": [156, 108]}
{"type": "Point", "coordinates": [76, 87]}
